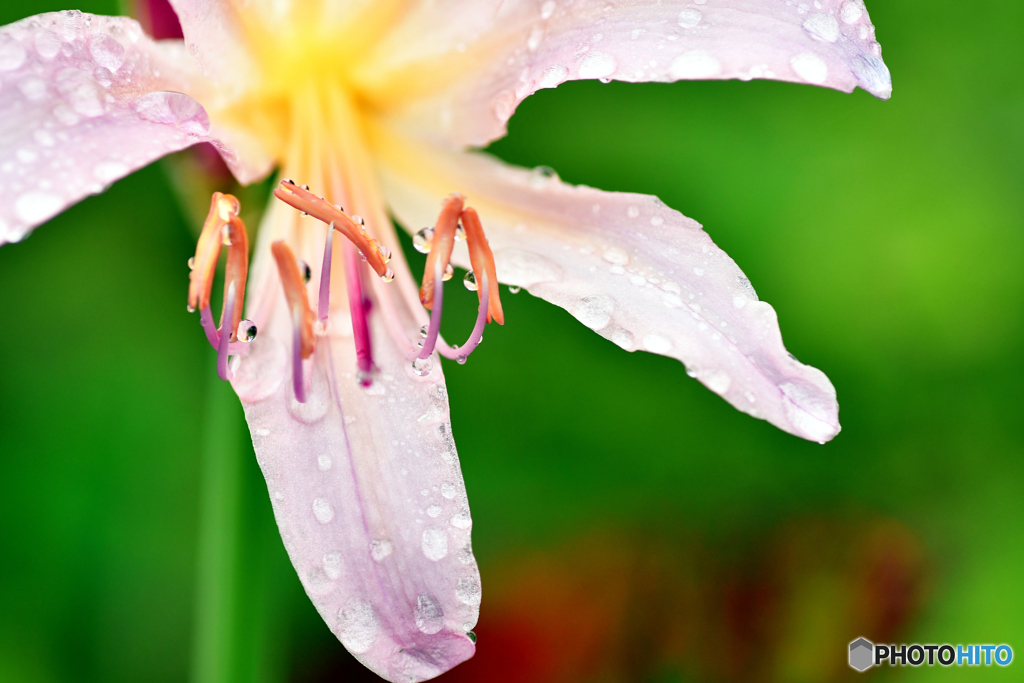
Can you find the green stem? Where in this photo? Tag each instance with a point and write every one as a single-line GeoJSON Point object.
{"type": "Point", "coordinates": [215, 641]}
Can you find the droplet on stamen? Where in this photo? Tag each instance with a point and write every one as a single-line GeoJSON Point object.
{"type": "Point", "coordinates": [422, 366]}
{"type": "Point", "coordinates": [191, 262]}
{"type": "Point", "coordinates": [424, 331]}
{"type": "Point", "coordinates": [385, 252]}
{"type": "Point", "coordinates": [305, 271]}
{"type": "Point", "coordinates": [246, 331]}
{"type": "Point", "coordinates": [460, 233]}
{"type": "Point", "coordinates": [423, 240]}
{"type": "Point", "coordinates": [461, 359]}
{"type": "Point", "coordinates": [470, 281]}
{"type": "Point", "coordinates": [388, 275]}
{"type": "Point", "coordinates": [304, 187]}
{"type": "Point", "coordinates": [513, 289]}
{"type": "Point", "coordinates": [448, 273]}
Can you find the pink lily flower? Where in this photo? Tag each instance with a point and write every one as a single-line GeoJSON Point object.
{"type": "Point", "coordinates": [377, 105]}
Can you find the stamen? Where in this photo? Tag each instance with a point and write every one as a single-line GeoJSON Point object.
{"type": "Point", "coordinates": [307, 202]}
{"type": "Point", "coordinates": [324, 302]}
{"type": "Point", "coordinates": [358, 306]}
{"type": "Point", "coordinates": [430, 342]}
{"type": "Point", "coordinates": [482, 260]}
{"type": "Point", "coordinates": [441, 247]}
{"type": "Point", "coordinates": [222, 228]}
{"type": "Point", "coordinates": [303, 338]}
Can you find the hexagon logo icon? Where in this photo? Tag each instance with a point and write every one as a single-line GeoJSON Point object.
{"type": "Point", "coordinates": [862, 653]}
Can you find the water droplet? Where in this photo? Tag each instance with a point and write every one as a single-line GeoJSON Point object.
{"type": "Point", "coordinates": [103, 76]}
{"type": "Point", "coordinates": [594, 311]}
{"type": "Point", "coordinates": [191, 262]}
{"type": "Point", "coordinates": [323, 511]}
{"type": "Point", "coordinates": [851, 13]}
{"type": "Point", "coordinates": [822, 26]}
{"type": "Point", "coordinates": [35, 207]}
{"type": "Point", "coordinates": [385, 252]}
{"type": "Point", "coordinates": [429, 615]}
{"type": "Point", "coordinates": [388, 275]}
{"type": "Point", "coordinates": [810, 67]}
{"type": "Point", "coordinates": [460, 233]}
{"type": "Point", "coordinates": [435, 543]}
{"type": "Point", "coordinates": [33, 88]}
{"type": "Point", "coordinates": [689, 18]}
{"type": "Point", "coordinates": [12, 54]}
{"type": "Point", "coordinates": [461, 359]}
{"type": "Point", "coordinates": [448, 490]}
{"type": "Point", "coordinates": [424, 331]}
{"type": "Point", "coordinates": [471, 636]}
{"type": "Point", "coordinates": [190, 308]}
{"type": "Point", "coordinates": [304, 270]}
{"type": "Point", "coordinates": [106, 51]}
{"type": "Point", "coordinates": [225, 235]}
{"type": "Point", "coordinates": [434, 510]}
{"type": "Point", "coordinates": [332, 565]}
{"type": "Point", "coordinates": [173, 109]}
{"type": "Point", "coordinates": [616, 256]}
{"type": "Point", "coordinates": [423, 240]}
{"type": "Point", "coordinates": [597, 65]}
{"type": "Point", "coordinates": [470, 281]}
{"type": "Point", "coordinates": [695, 64]}
{"type": "Point", "coordinates": [358, 626]}
{"type": "Point", "coordinates": [656, 343]}
{"type": "Point", "coordinates": [246, 331]}
{"type": "Point", "coordinates": [305, 187]}
{"type": "Point", "coordinates": [462, 520]}
{"type": "Point", "coordinates": [422, 366]}
{"type": "Point", "coordinates": [448, 273]}
{"type": "Point", "coordinates": [513, 289]}
{"type": "Point", "coordinates": [109, 171]}
{"type": "Point", "coordinates": [541, 176]}
{"type": "Point", "coordinates": [547, 9]}
{"type": "Point", "coordinates": [381, 549]}
{"type": "Point", "coordinates": [324, 462]}
{"type": "Point", "coordinates": [467, 590]}
{"type": "Point", "coordinates": [47, 44]}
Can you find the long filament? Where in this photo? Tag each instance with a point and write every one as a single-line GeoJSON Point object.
{"type": "Point", "coordinates": [223, 348]}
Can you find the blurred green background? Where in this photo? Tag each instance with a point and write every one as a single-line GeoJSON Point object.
{"type": "Point", "coordinates": [630, 526]}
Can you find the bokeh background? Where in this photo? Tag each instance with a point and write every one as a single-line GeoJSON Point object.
{"type": "Point", "coordinates": [630, 526]}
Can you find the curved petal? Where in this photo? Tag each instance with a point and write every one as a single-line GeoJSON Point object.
{"type": "Point", "coordinates": [214, 36]}
{"type": "Point", "coordinates": [632, 269]}
{"type": "Point", "coordinates": [85, 100]}
{"type": "Point", "coordinates": [365, 482]}
{"type": "Point", "coordinates": [470, 64]}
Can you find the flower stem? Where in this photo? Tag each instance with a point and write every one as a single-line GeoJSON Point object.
{"type": "Point", "coordinates": [215, 635]}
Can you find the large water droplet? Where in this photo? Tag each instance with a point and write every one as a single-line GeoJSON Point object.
{"type": "Point", "coordinates": [461, 359]}
{"type": "Point", "coordinates": [422, 366]}
{"type": "Point", "coordinates": [12, 54]}
{"type": "Point", "coordinates": [36, 207]}
{"type": "Point", "coordinates": [47, 44]}
{"type": "Point", "coordinates": [470, 281]}
{"type": "Point", "coordinates": [106, 51]}
{"type": "Point", "coordinates": [358, 626]}
{"type": "Point", "coordinates": [423, 240]}
{"type": "Point", "coordinates": [810, 67]}
{"type": "Point", "coordinates": [381, 549]}
{"type": "Point", "coordinates": [246, 331]}
{"type": "Point", "coordinates": [173, 109]}
{"type": "Point", "coordinates": [467, 590]}
{"type": "Point", "coordinates": [429, 615]}
{"type": "Point", "coordinates": [323, 511]}
{"type": "Point", "coordinates": [594, 311]}
{"type": "Point", "coordinates": [597, 65]}
{"type": "Point", "coordinates": [689, 17]}
{"type": "Point", "coordinates": [823, 27]}
{"type": "Point", "coordinates": [435, 543]}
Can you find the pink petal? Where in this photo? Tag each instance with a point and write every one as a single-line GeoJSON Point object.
{"type": "Point", "coordinates": [85, 100]}
{"type": "Point", "coordinates": [632, 269]}
{"type": "Point", "coordinates": [366, 488]}
{"type": "Point", "coordinates": [472, 63]}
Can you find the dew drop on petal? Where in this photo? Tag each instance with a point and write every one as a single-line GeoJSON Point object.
{"type": "Point", "coordinates": [47, 44]}
{"type": "Point", "coordinates": [332, 565]}
{"type": "Point", "coordinates": [435, 543]}
{"type": "Point", "coordinates": [173, 109]}
{"type": "Point", "coordinates": [358, 626]}
{"type": "Point", "coordinates": [851, 13]}
{"type": "Point", "coordinates": [323, 511]}
{"type": "Point", "coordinates": [695, 64]}
{"type": "Point", "coordinates": [36, 207]}
{"type": "Point", "coordinates": [689, 17]}
{"type": "Point", "coordinates": [470, 281]}
{"type": "Point", "coordinates": [822, 26]}
{"type": "Point", "coordinates": [594, 311]}
{"type": "Point", "coordinates": [656, 343]}
{"type": "Point", "coordinates": [106, 51]}
{"type": "Point", "coordinates": [547, 9]}
{"type": "Point", "coordinates": [597, 65]}
{"type": "Point", "coordinates": [513, 289]}
{"type": "Point", "coordinates": [553, 76]}
{"type": "Point", "coordinates": [462, 520]}
{"type": "Point", "coordinates": [12, 54]}
{"type": "Point", "coordinates": [381, 549]}
{"type": "Point", "coordinates": [810, 67]}
{"type": "Point", "coordinates": [468, 591]}
{"type": "Point", "coordinates": [429, 615]}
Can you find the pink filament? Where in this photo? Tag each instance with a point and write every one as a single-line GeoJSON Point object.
{"type": "Point", "coordinates": [432, 342]}
{"type": "Point", "coordinates": [224, 345]}
{"type": "Point", "coordinates": [324, 303]}
{"type": "Point", "coordinates": [298, 374]}
{"type": "Point", "coordinates": [357, 308]}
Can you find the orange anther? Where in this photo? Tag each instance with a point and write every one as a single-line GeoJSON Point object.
{"type": "Point", "coordinates": [482, 260]}
{"type": "Point", "coordinates": [222, 227]}
{"type": "Point", "coordinates": [321, 209]}
{"type": "Point", "coordinates": [295, 294]}
{"type": "Point", "coordinates": [442, 245]}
